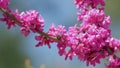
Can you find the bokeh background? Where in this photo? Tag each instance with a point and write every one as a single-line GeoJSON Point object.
{"type": "Point", "coordinates": [15, 48]}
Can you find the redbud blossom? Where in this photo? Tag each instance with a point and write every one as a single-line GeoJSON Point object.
{"type": "Point", "coordinates": [4, 4]}
{"type": "Point", "coordinates": [31, 20]}
{"type": "Point", "coordinates": [86, 4]}
{"type": "Point", "coordinates": [114, 62]}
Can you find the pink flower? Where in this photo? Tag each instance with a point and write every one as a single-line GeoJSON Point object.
{"type": "Point", "coordinates": [4, 4]}
{"type": "Point", "coordinates": [85, 4]}
{"type": "Point", "coordinates": [25, 31]}
{"type": "Point", "coordinates": [57, 31]}
{"type": "Point", "coordinates": [32, 21]}
{"type": "Point", "coordinates": [43, 41]}
{"type": "Point", "coordinates": [114, 62]}
{"type": "Point", "coordinates": [8, 21]}
{"type": "Point", "coordinates": [114, 43]}
{"type": "Point", "coordinates": [94, 16]}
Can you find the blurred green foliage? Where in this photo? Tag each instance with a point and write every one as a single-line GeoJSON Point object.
{"type": "Point", "coordinates": [112, 8]}
{"type": "Point", "coordinates": [10, 56]}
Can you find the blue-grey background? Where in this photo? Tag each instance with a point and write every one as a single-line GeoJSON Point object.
{"type": "Point", "coordinates": [15, 48]}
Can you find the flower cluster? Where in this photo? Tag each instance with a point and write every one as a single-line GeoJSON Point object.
{"type": "Point", "coordinates": [4, 4]}
{"type": "Point", "coordinates": [31, 20]}
{"type": "Point", "coordinates": [96, 25]}
{"type": "Point", "coordinates": [86, 4]}
{"type": "Point", "coordinates": [114, 62]}
{"type": "Point", "coordinates": [90, 41]}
